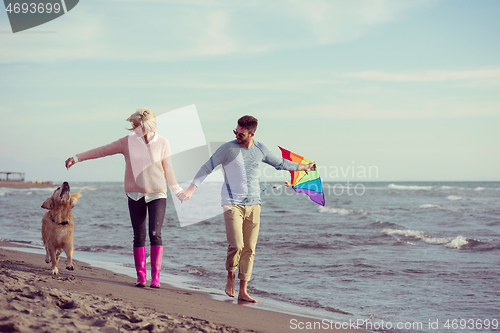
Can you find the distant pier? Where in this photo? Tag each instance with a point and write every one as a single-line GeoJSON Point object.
{"type": "Point", "coordinates": [14, 179]}
{"type": "Point", "coordinates": [9, 176]}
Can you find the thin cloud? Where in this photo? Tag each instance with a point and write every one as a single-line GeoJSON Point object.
{"type": "Point", "coordinates": [426, 76]}
{"type": "Point", "coordinates": [365, 111]}
{"type": "Point", "coordinates": [178, 30]}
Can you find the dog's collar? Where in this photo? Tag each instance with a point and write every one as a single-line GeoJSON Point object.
{"type": "Point", "coordinates": [60, 223]}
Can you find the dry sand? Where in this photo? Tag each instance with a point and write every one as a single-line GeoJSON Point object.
{"type": "Point", "coordinates": [91, 299]}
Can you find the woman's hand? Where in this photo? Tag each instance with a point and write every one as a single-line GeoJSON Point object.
{"type": "Point", "coordinates": [69, 162]}
{"type": "Point", "coordinates": [180, 195]}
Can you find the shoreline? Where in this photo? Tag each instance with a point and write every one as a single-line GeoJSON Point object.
{"type": "Point", "coordinates": [27, 184]}
{"type": "Point", "coordinates": [91, 298]}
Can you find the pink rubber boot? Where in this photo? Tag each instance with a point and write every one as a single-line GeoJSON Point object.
{"type": "Point", "coordinates": [156, 257]}
{"type": "Point", "coordinates": [140, 266]}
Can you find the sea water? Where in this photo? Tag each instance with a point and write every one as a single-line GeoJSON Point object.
{"type": "Point", "coordinates": [396, 257]}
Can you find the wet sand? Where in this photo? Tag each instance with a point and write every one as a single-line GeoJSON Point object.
{"type": "Point", "coordinates": [91, 299]}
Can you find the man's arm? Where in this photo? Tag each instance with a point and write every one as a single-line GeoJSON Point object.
{"type": "Point", "coordinates": [280, 163]}
{"type": "Point", "coordinates": [206, 169]}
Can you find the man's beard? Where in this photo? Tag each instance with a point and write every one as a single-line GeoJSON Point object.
{"type": "Point", "coordinates": [242, 141]}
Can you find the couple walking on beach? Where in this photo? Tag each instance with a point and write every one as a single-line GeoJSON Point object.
{"type": "Point", "coordinates": [148, 168]}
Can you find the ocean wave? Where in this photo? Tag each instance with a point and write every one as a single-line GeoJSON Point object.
{"type": "Point", "coordinates": [440, 207]}
{"type": "Point", "coordinates": [332, 210]}
{"type": "Point", "coordinates": [198, 271]}
{"type": "Point", "coordinates": [431, 206]}
{"type": "Point", "coordinates": [451, 242]}
{"type": "Point", "coordinates": [484, 245]}
{"type": "Point", "coordinates": [384, 225]}
{"type": "Point", "coordinates": [455, 198]}
{"type": "Point", "coordinates": [311, 246]}
{"type": "Point", "coordinates": [446, 187]}
{"type": "Point", "coordinates": [457, 242]}
{"type": "Point", "coordinates": [341, 211]}
{"type": "Point", "coordinates": [18, 241]}
{"type": "Point", "coordinates": [306, 302]}
{"type": "Point", "coordinates": [100, 248]}
{"type": "Point", "coordinates": [410, 187]}
{"type": "Point", "coordinates": [41, 189]}
{"type": "Point", "coordinates": [84, 188]}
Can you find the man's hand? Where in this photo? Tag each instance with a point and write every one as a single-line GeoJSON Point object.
{"type": "Point", "coordinates": [312, 166]}
{"type": "Point", "coordinates": [307, 167]}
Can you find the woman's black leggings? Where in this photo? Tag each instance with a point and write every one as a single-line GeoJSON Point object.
{"type": "Point", "coordinates": [138, 210]}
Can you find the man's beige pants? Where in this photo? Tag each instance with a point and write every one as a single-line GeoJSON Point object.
{"type": "Point", "coordinates": [242, 230]}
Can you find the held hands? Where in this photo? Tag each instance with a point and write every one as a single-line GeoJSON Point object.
{"type": "Point", "coordinates": [186, 195]}
{"type": "Point", "coordinates": [180, 195]}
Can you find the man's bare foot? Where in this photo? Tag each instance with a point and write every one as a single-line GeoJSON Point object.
{"type": "Point", "coordinates": [230, 285]}
{"type": "Point", "coordinates": [243, 295]}
{"type": "Point", "coordinates": [246, 298]}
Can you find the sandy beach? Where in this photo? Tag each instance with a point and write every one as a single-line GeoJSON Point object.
{"type": "Point", "coordinates": [91, 299]}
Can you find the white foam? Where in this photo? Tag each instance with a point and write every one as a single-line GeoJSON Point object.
{"type": "Point", "coordinates": [458, 242]}
{"type": "Point", "coordinates": [410, 187]}
{"type": "Point", "coordinates": [431, 206]}
{"type": "Point", "coordinates": [333, 210]}
{"type": "Point", "coordinates": [84, 188]}
{"type": "Point", "coordinates": [407, 233]}
{"type": "Point", "coordinates": [451, 242]}
{"type": "Point", "coordinates": [341, 211]}
{"type": "Point", "coordinates": [39, 189]}
{"type": "Point", "coordinates": [479, 188]}
{"type": "Point", "coordinates": [455, 198]}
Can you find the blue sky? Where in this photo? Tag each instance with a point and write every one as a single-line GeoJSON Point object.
{"type": "Point", "coordinates": [410, 88]}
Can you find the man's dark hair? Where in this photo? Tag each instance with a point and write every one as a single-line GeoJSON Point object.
{"type": "Point", "coordinates": [248, 122]}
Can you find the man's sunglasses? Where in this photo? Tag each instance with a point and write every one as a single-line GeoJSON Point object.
{"type": "Point", "coordinates": [239, 135]}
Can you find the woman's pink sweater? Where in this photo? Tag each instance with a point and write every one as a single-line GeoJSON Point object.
{"type": "Point", "coordinates": [146, 166]}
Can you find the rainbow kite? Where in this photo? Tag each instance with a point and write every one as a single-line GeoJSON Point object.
{"type": "Point", "coordinates": [305, 182]}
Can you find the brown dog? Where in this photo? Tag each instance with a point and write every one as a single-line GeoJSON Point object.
{"type": "Point", "coordinates": [58, 225]}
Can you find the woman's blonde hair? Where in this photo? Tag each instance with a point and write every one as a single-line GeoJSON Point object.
{"type": "Point", "coordinates": [145, 118]}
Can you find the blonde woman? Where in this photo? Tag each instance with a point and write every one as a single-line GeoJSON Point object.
{"type": "Point", "coordinates": [147, 166]}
